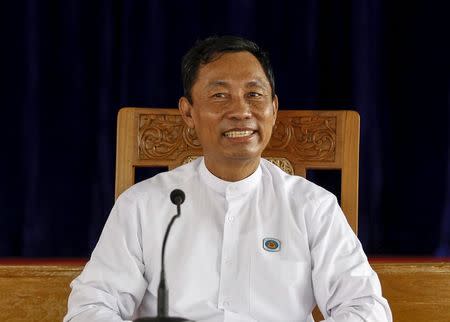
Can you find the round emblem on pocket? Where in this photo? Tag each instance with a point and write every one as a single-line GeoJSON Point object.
{"type": "Point", "coordinates": [271, 244]}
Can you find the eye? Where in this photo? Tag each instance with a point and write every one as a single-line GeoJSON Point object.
{"type": "Point", "coordinates": [254, 95]}
{"type": "Point", "coordinates": [218, 95]}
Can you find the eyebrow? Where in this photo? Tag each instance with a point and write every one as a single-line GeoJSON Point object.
{"type": "Point", "coordinates": [258, 82]}
{"type": "Point", "coordinates": [217, 83]}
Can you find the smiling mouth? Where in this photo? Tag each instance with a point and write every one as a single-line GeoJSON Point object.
{"type": "Point", "coordinates": [238, 134]}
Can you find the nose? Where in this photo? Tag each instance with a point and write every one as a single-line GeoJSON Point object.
{"type": "Point", "coordinates": [239, 109]}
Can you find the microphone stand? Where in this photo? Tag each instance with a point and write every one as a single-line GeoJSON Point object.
{"type": "Point", "coordinates": [177, 197]}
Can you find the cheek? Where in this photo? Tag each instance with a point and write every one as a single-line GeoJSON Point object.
{"type": "Point", "coordinates": [265, 110]}
{"type": "Point", "coordinates": [206, 130]}
{"type": "Point", "coordinates": [268, 119]}
{"type": "Point", "coordinates": [268, 134]}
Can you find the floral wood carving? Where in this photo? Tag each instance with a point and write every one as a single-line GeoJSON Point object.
{"type": "Point", "coordinates": [311, 138]}
{"type": "Point", "coordinates": [189, 159]}
{"type": "Point", "coordinates": [283, 164]}
{"type": "Point", "coordinates": [164, 136]}
{"type": "Point", "coordinates": [308, 138]}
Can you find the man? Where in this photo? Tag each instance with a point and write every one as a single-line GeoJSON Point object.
{"type": "Point", "coordinates": [253, 243]}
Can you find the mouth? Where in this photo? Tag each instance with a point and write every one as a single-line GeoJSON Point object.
{"type": "Point", "coordinates": [238, 133]}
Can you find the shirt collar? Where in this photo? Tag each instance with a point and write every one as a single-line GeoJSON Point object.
{"type": "Point", "coordinates": [229, 188]}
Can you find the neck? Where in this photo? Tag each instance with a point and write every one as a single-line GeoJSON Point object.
{"type": "Point", "coordinates": [232, 170]}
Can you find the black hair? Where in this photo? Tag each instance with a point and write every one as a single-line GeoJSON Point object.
{"type": "Point", "coordinates": [210, 49]}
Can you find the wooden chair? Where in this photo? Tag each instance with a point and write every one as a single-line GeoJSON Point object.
{"type": "Point", "coordinates": [301, 140]}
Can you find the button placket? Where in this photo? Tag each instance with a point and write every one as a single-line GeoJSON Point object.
{"type": "Point", "coordinates": [229, 254]}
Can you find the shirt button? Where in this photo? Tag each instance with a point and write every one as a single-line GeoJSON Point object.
{"type": "Point", "coordinates": [226, 304]}
{"type": "Point", "coordinates": [230, 218]}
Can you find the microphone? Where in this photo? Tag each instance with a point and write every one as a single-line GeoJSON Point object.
{"type": "Point", "coordinates": [177, 197]}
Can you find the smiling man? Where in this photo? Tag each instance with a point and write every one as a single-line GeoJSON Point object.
{"type": "Point", "coordinates": [232, 107]}
{"type": "Point", "coordinates": [253, 244]}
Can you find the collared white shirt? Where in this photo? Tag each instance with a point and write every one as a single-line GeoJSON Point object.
{"type": "Point", "coordinates": [266, 248]}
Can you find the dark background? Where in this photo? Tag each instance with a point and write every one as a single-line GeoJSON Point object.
{"type": "Point", "coordinates": [68, 66]}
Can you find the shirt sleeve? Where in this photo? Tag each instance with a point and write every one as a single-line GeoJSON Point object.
{"type": "Point", "coordinates": [112, 284]}
{"type": "Point", "coordinates": [345, 286]}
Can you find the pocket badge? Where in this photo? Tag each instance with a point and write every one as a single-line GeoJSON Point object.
{"type": "Point", "coordinates": [271, 244]}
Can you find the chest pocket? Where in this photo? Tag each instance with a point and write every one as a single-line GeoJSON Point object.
{"type": "Point", "coordinates": [280, 287]}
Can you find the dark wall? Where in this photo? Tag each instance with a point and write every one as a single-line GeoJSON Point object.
{"type": "Point", "coordinates": [68, 66]}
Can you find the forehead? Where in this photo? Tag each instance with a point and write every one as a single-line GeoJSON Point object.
{"type": "Point", "coordinates": [230, 67]}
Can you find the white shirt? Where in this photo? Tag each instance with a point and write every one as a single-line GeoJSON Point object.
{"type": "Point", "coordinates": [217, 267]}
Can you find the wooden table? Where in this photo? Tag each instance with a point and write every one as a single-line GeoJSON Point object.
{"type": "Point", "coordinates": [38, 290]}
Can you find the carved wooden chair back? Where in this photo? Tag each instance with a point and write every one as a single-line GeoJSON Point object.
{"type": "Point", "coordinates": [301, 140]}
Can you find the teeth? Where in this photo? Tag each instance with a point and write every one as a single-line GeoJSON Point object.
{"type": "Point", "coordinates": [237, 134]}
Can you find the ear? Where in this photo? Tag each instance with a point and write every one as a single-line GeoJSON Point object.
{"type": "Point", "coordinates": [275, 108]}
{"type": "Point", "coordinates": [186, 111]}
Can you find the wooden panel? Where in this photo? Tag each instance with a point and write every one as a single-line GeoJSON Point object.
{"type": "Point", "coordinates": [165, 137]}
{"type": "Point", "coordinates": [350, 168]}
{"type": "Point", "coordinates": [125, 148]}
{"type": "Point", "coordinates": [305, 136]}
{"type": "Point", "coordinates": [35, 293]}
{"type": "Point", "coordinates": [301, 135]}
{"type": "Point", "coordinates": [416, 292]}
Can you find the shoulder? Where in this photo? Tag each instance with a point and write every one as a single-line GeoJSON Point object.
{"type": "Point", "coordinates": [162, 183]}
{"type": "Point", "coordinates": [294, 186]}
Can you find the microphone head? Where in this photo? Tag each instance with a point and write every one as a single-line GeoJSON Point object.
{"type": "Point", "coordinates": [177, 196]}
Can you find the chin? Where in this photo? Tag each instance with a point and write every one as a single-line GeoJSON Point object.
{"type": "Point", "coordinates": [243, 155]}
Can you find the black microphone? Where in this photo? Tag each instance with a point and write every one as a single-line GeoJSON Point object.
{"type": "Point", "coordinates": [177, 197]}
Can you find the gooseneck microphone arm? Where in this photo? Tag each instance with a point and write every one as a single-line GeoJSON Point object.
{"type": "Point", "coordinates": [167, 234]}
{"type": "Point", "coordinates": [177, 197]}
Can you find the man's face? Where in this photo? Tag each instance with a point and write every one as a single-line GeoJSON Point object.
{"type": "Point", "coordinates": [232, 109]}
